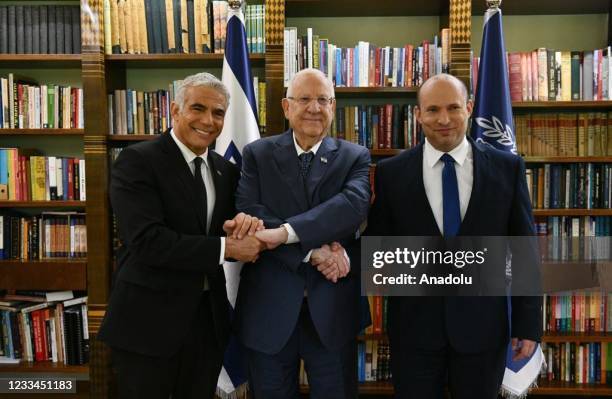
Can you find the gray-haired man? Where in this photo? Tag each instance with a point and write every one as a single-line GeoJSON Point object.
{"type": "Point", "coordinates": [167, 320]}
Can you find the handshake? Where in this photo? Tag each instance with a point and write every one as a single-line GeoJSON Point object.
{"type": "Point", "coordinates": [247, 237]}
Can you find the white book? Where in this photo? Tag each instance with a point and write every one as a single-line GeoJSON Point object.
{"type": "Point", "coordinates": [59, 174]}
{"type": "Point", "coordinates": [44, 116]}
{"type": "Point", "coordinates": [82, 180]}
{"type": "Point", "coordinates": [309, 47]}
{"type": "Point", "coordinates": [52, 176]}
{"type": "Point", "coordinates": [55, 296]}
{"type": "Point", "coordinates": [85, 323]}
{"type": "Point", "coordinates": [75, 301]}
{"type": "Point", "coordinates": [286, 60]}
{"type": "Point", "coordinates": [11, 98]}
{"type": "Point", "coordinates": [81, 110]}
{"type": "Point", "coordinates": [51, 326]}
{"type": "Point", "coordinates": [5, 102]}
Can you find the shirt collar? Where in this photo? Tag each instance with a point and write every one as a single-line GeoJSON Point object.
{"type": "Point", "coordinates": [187, 153]}
{"type": "Point", "coordinates": [459, 153]}
{"type": "Point", "coordinates": [299, 149]}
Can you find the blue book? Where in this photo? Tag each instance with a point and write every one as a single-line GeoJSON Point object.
{"type": "Point", "coordinates": [3, 174]}
{"type": "Point", "coordinates": [128, 107]}
{"type": "Point", "coordinates": [361, 361]}
{"type": "Point", "coordinates": [339, 67]}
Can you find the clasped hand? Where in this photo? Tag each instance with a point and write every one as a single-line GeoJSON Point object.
{"type": "Point", "coordinates": [247, 237]}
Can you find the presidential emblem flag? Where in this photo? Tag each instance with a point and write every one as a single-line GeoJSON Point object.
{"type": "Point", "coordinates": [492, 125]}
{"type": "Point", "coordinates": [239, 129]}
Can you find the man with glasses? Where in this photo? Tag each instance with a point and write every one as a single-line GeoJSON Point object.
{"type": "Point", "coordinates": [300, 299]}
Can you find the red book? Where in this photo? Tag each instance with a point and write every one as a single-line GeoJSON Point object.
{"type": "Point", "coordinates": [70, 188]}
{"type": "Point", "coordinates": [381, 127]}
{"type": "Point", "coordinates": [389, 124]}
{"type": "Point", "coordinates": [377, 322]}
{"type": "Point", "coordinates": [377, 69]}
{"type": "Point", "coordinates": [425, 60]}
{"type": "Point", "coordinates": [40, 352]}
{"type": "Point", "coordinates": [515, 76]}
{"type": "Point", "coordinates": [409, 49]}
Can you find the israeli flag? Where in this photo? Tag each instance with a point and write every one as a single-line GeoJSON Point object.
{"type": "Point", "coordinates": [239, 129]}
{"type": "Point", "coordinates": [492, 125]}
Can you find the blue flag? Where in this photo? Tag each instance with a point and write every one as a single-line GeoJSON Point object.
{"type": "Point", "coordinates": [492, 125]}
{"type": "Point", "coordinates": [492, 117]}
{"type": "Point", "coordinates": [239, 129]}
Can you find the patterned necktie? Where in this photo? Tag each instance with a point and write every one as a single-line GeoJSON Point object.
{"type": "Point", "coordinates": [305, 162]}
{"type": "Point", "coordinates": [450, 197]}
{"type": "Point", "coordinates": [200, 189]}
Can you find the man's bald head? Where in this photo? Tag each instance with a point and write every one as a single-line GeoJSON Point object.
{"type": "Point", "coordinates": [447, 78]}
{"type": "Point", "coordinates": [309, 72]}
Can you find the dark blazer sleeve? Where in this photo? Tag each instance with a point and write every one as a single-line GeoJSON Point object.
{"type": "Point", "coordinates": [137, 201]}
{"type": "Point", "coordinates": [526, 310]}
{"type": "Point", "coordinates": [341, 215]}
{"type": "Point", "coordinates": [248, 200]}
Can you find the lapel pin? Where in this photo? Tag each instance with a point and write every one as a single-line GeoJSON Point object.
{"type": "Point", "coordinates": [323, 159]}
{"type": "Point", "coordinates": [219, 173]}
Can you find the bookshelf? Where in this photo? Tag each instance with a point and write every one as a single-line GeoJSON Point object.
{"type": "Point", "coordinates": [100, 73]}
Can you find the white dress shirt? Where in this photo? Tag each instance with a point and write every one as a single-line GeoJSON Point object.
{"type": "Point", "coordinates": [292, 236]}
{"type": "Point", "coordinates": [432, 177]}
{"type": "Point", "coordinates": [190, 156]}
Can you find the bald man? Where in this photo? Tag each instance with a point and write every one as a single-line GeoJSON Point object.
{"type": "Point", "coordinates": [451, 186]}
{"type": "Point", "coordinates": [300, 299]}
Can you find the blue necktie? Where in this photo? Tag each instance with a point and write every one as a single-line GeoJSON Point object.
{"type": "Point", "coordinates": [450, 197]}
{"type": "Point", "coordinates": [305, 161]}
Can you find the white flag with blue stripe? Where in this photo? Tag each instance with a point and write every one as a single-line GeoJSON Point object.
{"type": "Point", "coordinates": [492, 125]}
{"type": "Point", "coordinates": [239, 129]}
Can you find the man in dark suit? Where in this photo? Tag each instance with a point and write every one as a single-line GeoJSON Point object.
{"type": "Point", "coordinates": [310, 190]}
{"type": "Point", "coordinates": [167, 321]}
{"type": "Point", "coordinates": [452, 186]}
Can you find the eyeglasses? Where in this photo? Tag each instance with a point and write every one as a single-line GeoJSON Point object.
{"type": "Point", "coordinates": [304, 101]}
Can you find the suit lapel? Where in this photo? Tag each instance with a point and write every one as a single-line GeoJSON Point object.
{"type": "Point", "coordinates": [321, 163]}
{"type": "Point", "coordinates": [479, 187]}
{"type": "Point", "coordinates": [286, 160]}
{"type": "Point", "coordinates": [222, 193]}
{"type": "Point", "coordinates": [179, 168]}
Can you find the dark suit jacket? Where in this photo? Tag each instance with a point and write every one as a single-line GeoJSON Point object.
{"type": "Point", "coordinates": [499, 206]}
{"type": "Point", "coordinates": [166, 252]}
{"type": "Point", "coordinates": [329, 206]}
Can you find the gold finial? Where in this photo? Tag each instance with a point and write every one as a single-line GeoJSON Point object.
{"type": "Point", "coordinates": [235, 4]}
{"type": "Point", "coordinates": [492, 4]}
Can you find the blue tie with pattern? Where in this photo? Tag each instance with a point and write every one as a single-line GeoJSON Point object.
{"type": "Point", "coordinates": [305, 161]}
{"type": "Point", "coordinates": [450, 197]}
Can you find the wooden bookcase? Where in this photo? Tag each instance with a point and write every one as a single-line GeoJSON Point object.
{"type": "Point", "coordinates": [101, 73]}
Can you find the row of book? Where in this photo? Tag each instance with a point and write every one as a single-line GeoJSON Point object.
{"type": "Point", "coordinates": [378, 313]}
{"type": "Point", "coordinates": [139, 112]}
{"type": "Point", "coordinates": [580, 311]}
{"type": "Point", "coordinates": [40, 29]}
{"type": "Point", "coordinates": [373, 361]}
{"type": "Point", "coordinates": [377, 126]}
{"type": "Point", "coordinates": [552, 75]}
{"type": "Point", "coordinates": [582, 363]}
{"type": "Point", "coordinates": [26, 176]}
{"type": "Point", "coordinates": [51, 235]}
{"type": "Point", "coordinates": [575, 238]}
{"type": "Point", "coordinates": [55, 331]}
{"type": "Point", "coordinates": [366, 65]}
{"type": "Point", "coordinates": [564, 134]}
{"type": "Point", "coordinates": [28, 105]}
{"type": "Point", "coordinates": [573, 185]}
{"type": "Point", "coordinates": [175, 26]}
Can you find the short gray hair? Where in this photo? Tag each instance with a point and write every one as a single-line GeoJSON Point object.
{"type": "Point", "coordinates": [204, 79]}
{"type": "Point", "coordinates": [309, 71]}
